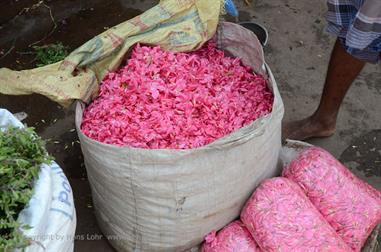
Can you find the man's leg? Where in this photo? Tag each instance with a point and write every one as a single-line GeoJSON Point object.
{"type": "Point", "coordinates": [342, 71]}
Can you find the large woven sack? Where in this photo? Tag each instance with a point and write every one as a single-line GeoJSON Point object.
{"type": "Point", "coordinates": [168, 200]}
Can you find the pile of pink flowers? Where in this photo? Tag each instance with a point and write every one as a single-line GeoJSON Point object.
{"type": "Point", "coordinates": [162, 99]}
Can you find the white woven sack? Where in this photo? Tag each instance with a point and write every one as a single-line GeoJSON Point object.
{"type": "Point", "coordinates": [168, 200]}
{"type": "Point", "coordinates": [50, 212]}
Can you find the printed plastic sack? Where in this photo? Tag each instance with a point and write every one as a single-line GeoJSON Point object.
{"type": "Point", "coordinates": [352, 207]}
{"type": "Point", "coordinates": [232, 238]}
{"type": "Point", "coordinates": [176, 25]}
{"type": "Point", "coordinates": [168, 200]}
{"type": "Point", "coordinates": [50, 212]}
{"type": "Point", "coordinates": [281, 218]}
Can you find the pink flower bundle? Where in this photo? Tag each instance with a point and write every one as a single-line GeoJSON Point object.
{"type": "Point", "coordinates": [232, 238]}
{"type": "Point", "coordinates": [162, 99]}
{"type": "Point", "coordinates": [281, 218]}
{"type": "Point", "coordinates": [352, 207]}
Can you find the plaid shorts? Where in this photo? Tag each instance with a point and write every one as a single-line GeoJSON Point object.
{"type": "Point", "coordinates": [357, 23]}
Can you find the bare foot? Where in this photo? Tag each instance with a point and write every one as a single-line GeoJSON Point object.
{"type": "Point", "coordinates": [307, 128]}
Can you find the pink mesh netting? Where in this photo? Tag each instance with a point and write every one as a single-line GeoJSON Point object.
{"type": "Point", "coordinates": [232, 238]}
{"type": "Point", "coordinates": [352, 207]}
{"type": "Point", "coordinates": [281, 218]}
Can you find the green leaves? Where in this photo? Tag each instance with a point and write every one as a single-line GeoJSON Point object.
{"type": "Point", "coordinates": [22, 152]}
{"type": "Point", "coordinates": [49, 54]}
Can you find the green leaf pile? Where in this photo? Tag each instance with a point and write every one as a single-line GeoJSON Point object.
{"type": "Point", "coordinates": [49, 54]}
{"type": "Point", "coordinates": [22, 152]}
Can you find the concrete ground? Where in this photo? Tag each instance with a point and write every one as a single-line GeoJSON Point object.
{"type": "Point", "coordinates": [298, 53]}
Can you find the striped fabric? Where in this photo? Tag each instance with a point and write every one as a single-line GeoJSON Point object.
{"type": "Point", "coordinates": [357, 23]}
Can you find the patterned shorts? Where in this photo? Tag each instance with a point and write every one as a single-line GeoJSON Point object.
{"type": "Point", "coordinates": [357, 23]}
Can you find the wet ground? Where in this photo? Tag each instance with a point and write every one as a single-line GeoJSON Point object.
{"type": "Point", "coordinates": [363, 156]}
{"type": "Point", "coordinates": [298, 53]}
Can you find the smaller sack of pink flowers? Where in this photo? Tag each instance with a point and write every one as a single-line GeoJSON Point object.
{"type": "Point", "coordinates": [282, 219]}
{"type": "Point", "coordinates": [232, 238]}
{"type": "Point", "coordinates": [352, 207]}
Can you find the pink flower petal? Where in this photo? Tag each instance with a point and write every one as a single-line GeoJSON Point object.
{"type": "Point", "coordinates": [162, 99]}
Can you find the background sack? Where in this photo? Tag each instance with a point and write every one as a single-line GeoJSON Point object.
{"type": "Point", "coordinates": [50, 212]}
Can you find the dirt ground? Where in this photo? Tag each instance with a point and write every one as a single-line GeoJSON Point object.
{"type": "Point", "coordinates": [298, 53]}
